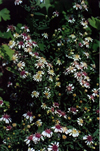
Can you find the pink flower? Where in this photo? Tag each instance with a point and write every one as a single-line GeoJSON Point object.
{"type": "Point", "coordinates": [6, 118]}
{"type": "Point", "coordinates": [61, 113]}
{"type": "Point", "coordinates": [69, 88]}
{"type": "Point", "coordinates": [29, 116]}
{"type": "Point", "coordinates": [56, 13]}
{"type": "Point", "coordinates": [56, 105]}
{"type": "Point", "coordinates": [28, 140]}
{"type": "Point", "coordinates": [57, 128]}
{"type": "Point", "coordinates": [8, 128]}
{"type": "Point", "coordinates": [10, 27]}
{"type": "Point", "coordinates": [47, 133]}
{"type": "Point", "coordinates": [73, 110]}
{"type": "Point", "coordinates": [17, 2]}
{"type": "Point", "coordinates": [26, 28]}
{"type": "Point", "coordinates": [9, 84]}
{"type": "Point", "coordinates": [24, 74]}
{"type": "Point", "coordinates": [54, 146]}
{"type": "Point", "coordinates": [98, 111]}
{"type": "Point", "coordinates": [21, 45]}
{"type": "Point", "coordinates": [1, 102]}
{"type": "Point", "coordinates": [91, 97]}
{"type": "Point", "coordinates": [88, 139]}
{"type": "Point", "coordinates": [37, 137]}
{"type": "Point", "coordinates": [34, 44]}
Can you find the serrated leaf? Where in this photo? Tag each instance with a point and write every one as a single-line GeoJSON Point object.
{"type": "Point", "coordinates": [94, 22]}
{"type": "Point", "coordinates": [4, 14]}
{"type": "Point", "coordinates": [6, 35]}
{"type": "Point", "coordinates": [45, 4]}
{"type": "Point", "coordinates": [9, 51]}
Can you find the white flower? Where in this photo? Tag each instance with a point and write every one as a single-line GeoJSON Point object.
{"type": "Point", "coordinates": [51, 78]}
{"type": "Point", "coordinates": [88, 139]}
{"type": "Point", "coordinates": [11, 44]}
{"type": "Point", "coordinates": [29, 116]}
{"type": "Point", "coordinates": [47, 133]}
{"type": "Point", "coordinates": [31, 149]}
{"type": "Point", "coordinates": [74, 133]}
{"type": "Point", "coordinates": [65, 130]}
{"type": "Point", "coordinates": [57, 128]}
{"type": "Point", "coordinates": [70, 88]}
{"type": "Point", "coordinates": [21, 65]}
{"type": "Point", "coordinates": [40, 65]}
{"type": "Point", "coordinates": [58, 62]}
{"type": "Point", "coordinates": [84, 23]}
{"type": "Point", "coordinates": [78, 75]}
{"type": "Point", "coordinates": [91, 97]}
{"type": "Point", "coordinates": [47, 94]}
{"type": "Point", "coordinates": [11, 28]}
{"type": "Point", "coordinates": [35, 44]}
{"type": "Point", "coordinates": [24, 74]}
{"type": "Point", "coordinates": [8, 128]}
{"type": "Point", "coordinates": [80, 121]}
{"type": "Point", "coordinates": [15, 58]}
{"type": "Point", "coordinates": [77, 6]}
{"type": "Point", "coordinates": [73, 110]}
{"type": "Point", "coordinates": [84, 65]}
{"type": "Point", "coordinates": [56, 13]}
{"type": "Point", "coordinates": [9, 84]}
{"type": "Point", "coordinates": [55, 105]}
{"type": "Point", "coordinates": [76, 57]}
{"type": "Point", "coordinates": [6, 118]}
{"type": "Point", "coordinates": [37, 77]}
{"type": "Point", "coordinates": [95, 92]}
{"type": "Point", "coordinates": [59, 43]}
{"type": "Point", "coordinates": [38, 122]}
{"type": "Point", "coordinates": [45, 35]}
{"type": "Point", "coordinates": [35, 94]}
{"type": "Point", "coordinates": [1, 102]}
{"type": "Point", "coordinates": [37, 137]}
{"type": "Point", "coordinates": [61, 113]}
{"type": "Point", "coordinates": [53, 147]}
{"type": "Point", "coordinates": [86, 54]}
{"type": "Point", "coordinates": [58, 84]}
{"type": "Point", "coordinates": [17, 2]}
{"type": "Point", "coordinates": [51, 72]}
{"type": "Point", "coordinates": [43, 106]}
{"type": "Point", "coordinates": [88, 39]}
{"type": "Point", "coordinates": [26, 28]}
{"type": "Point", "coordinates": [16, 35]}
{"type": "Point", "coordinates": [71, 20]}
{"type": "Point", "coordinates": [20, 44]}
{"type": "Point", "coordinates": [72, 36]}
{"type": "Point", "coordinates": [28, 140]}
{"type": "Point", "coordinates": [86, 43]}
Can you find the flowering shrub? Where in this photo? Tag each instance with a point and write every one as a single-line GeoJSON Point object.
{"type": "Point", "coordinates": [50, 101]}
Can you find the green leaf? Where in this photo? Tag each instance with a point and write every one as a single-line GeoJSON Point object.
{"type": "Point", "coordinates": [42, 46]}
{"type": "Point", "coordinates": [4, 14]}
{"type": "Point", "coordinates": [8, 51]}
{"type": "Point", "coordinates": [45, 4]}
{"type": "Point", "coordinates": [19, 25]}
{"type": "Point", "coordinates": [0, 1]}
{"type": "Point", "coordinates": [96, 133]}
{"type": "Point", "coordinates": [94, 22]}
{"type": "Point", "coordinates": [39, 14]}
{"type": "Point", "coordinates": [6, 35]}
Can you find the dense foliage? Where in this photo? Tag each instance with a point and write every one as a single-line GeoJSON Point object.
{"type": "Point", "coordinates": [49, 80]}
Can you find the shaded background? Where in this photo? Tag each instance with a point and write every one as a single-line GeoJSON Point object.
{"type": "Point", "coordinates": [18, 14]}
